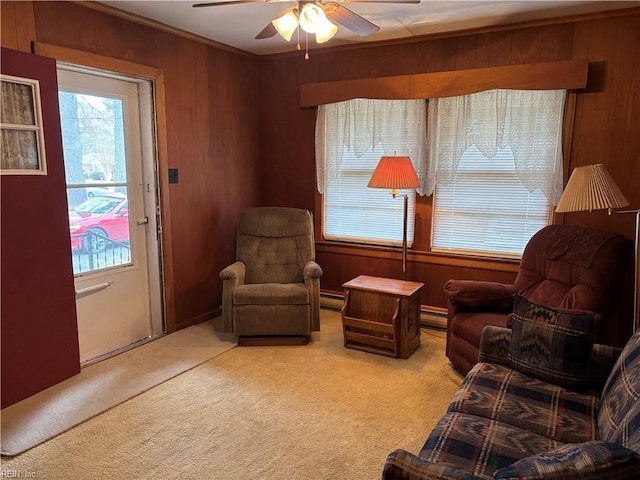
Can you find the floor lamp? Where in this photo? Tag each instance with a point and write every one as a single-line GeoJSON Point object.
{"type": "Point", "coordinates": [592, 188]}
{"type": "Point", "coordinates": [396, 173]}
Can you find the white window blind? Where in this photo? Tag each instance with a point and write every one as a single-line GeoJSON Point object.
{"type": "Point", "coordinates": [486, 210]}
{"type": "Point", "coordinates": [355, 213]}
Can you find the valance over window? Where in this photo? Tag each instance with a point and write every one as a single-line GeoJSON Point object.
{"type": "Point", "coordinates": [527, 121]}
{"type": "Point", "coordinates": [360, 125]}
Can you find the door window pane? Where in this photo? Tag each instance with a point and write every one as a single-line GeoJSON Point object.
{"type": "Point", "coordinates": [95, 168]}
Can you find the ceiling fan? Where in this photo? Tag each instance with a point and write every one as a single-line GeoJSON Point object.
{"type": "Point", "coordinates": [315, 17]}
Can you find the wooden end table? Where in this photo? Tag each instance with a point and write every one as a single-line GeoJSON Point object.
{"type": "Point", "coordinates": [382, 315]}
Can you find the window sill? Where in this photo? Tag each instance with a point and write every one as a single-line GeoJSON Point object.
{"type": "Point", "coordinates": [419, 256]}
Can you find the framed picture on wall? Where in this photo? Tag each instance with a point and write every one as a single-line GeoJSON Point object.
{"type": "Point", "coordinates": [22, 151]}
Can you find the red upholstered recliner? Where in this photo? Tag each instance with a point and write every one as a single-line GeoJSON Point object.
{"type": "Point", "coordinates": [562, 266]}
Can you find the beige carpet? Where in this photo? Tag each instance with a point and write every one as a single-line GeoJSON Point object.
{"type": "Point", "coordinates": [318, 411]}
{"type": "Point", "coordinates": [104, 385]}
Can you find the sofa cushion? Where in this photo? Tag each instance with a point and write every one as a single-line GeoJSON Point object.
{"type": "Point", "coordinates": [278, 260]}
{"type": "Point", "coordinates": [481, 445]}
{"type": "Point", "coordinates": [619, 415]}
{"type": "Point", "coordinates": [580, 461]}
{"type": "Point", "coordinates": [552, 345]}
{"type": "Point", "coordinates": [503, 394]}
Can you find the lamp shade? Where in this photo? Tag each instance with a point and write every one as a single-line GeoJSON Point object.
{"type": "Point", "coordinates": [311, 17]}
{"type": "Point", "coordinates": [590, 188]}
{"type": "Point", "coordinates": [325, 31]}
{"type": "Point", "coordinates": [394, 173]}
{"type": "Point", "coordinates": [287, 23]}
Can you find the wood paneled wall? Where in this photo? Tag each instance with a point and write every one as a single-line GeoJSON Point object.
{"type": "Point", "coordinates": [213, 137]}
{"type": "Point", "coordinates": [606, 129]}
{"type": "Point", "coordinates": [18, 26]}
{"type": "Point", "coordinates": [239, 138]}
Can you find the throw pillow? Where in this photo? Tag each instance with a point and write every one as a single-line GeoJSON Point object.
{"type": "Point", "coordinates": [551, 345]}
{"type": "Point", "coordinates": [577, 461]}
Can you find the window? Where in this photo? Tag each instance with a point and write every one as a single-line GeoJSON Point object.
{"type": "Point", "coordinates": [355, 213]}
{"type": "Point", "coordinates": [496, 162]}
{"type": "Point", "coordinates": [21, 125]}
{"type": "Point", "coordinates": [350, 139]}
{"type": "Point", "coordinates": [93, 140]}
{"type": "Point", "coordinates": [486, 209]}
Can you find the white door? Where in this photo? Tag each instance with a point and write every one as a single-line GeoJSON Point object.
{"type": "Point", "coordinates": [111, 190]}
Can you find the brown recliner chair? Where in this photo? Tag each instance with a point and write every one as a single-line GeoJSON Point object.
{"type": "Point", "coordinates": [562, 266]}
{"type": "Point", "coordinates": [271, 294]}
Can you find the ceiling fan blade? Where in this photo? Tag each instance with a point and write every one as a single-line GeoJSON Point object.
{"type": "Point", "coordinates": [226, 2]}
{"type": "Point", "coordinates": [348, 19]}
{"type": "Point", "coordinates": [267, 32]}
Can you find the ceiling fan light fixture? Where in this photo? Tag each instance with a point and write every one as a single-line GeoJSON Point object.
{"type": "Point", "coordinates": [325, 31]}
{"type": "Point", "coordinates": [311, 17]}
{"type": "Point", "coordinates": [287, 23]}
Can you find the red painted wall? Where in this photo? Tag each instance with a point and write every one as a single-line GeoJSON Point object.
{"type": "Point", "coordinates": [38, 322]}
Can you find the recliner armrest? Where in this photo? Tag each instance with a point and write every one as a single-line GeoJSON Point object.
{"type": "Point", "coordinates": [311, 273]}
{"type": "Point", "coordinates": [480, 294]}
{"type": "Point", "coordinates": [311, 270]}
{"type": "Point", "coordinates": [231, 276]}
{"type": "Point", "coordinates": [402, 465]}
{"type": "Point", "coordinates": [235, 271]}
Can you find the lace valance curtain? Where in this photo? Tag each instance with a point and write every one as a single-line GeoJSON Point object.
{"type": "Point", "coordinates": [19, 143]}
{"type": "Point", "coordinates": [527, 121]}
{"type": "Point", "coordinates": [399, 126]}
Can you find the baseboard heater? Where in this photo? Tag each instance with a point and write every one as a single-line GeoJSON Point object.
{"type": "Point", "coordinates": [430, 317]}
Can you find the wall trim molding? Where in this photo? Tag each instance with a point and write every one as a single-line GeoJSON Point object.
{"type": "Point", "coordinates": [87, 59]}
{"type": "Point", "coordinates": [132, 17]}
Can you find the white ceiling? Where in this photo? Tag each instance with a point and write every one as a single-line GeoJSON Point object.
{"type": "Point", "coordinates": [237, 25]}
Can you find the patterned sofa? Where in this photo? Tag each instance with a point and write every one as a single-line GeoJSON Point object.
{"type": "Point", "coordinates": [543, 403]}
